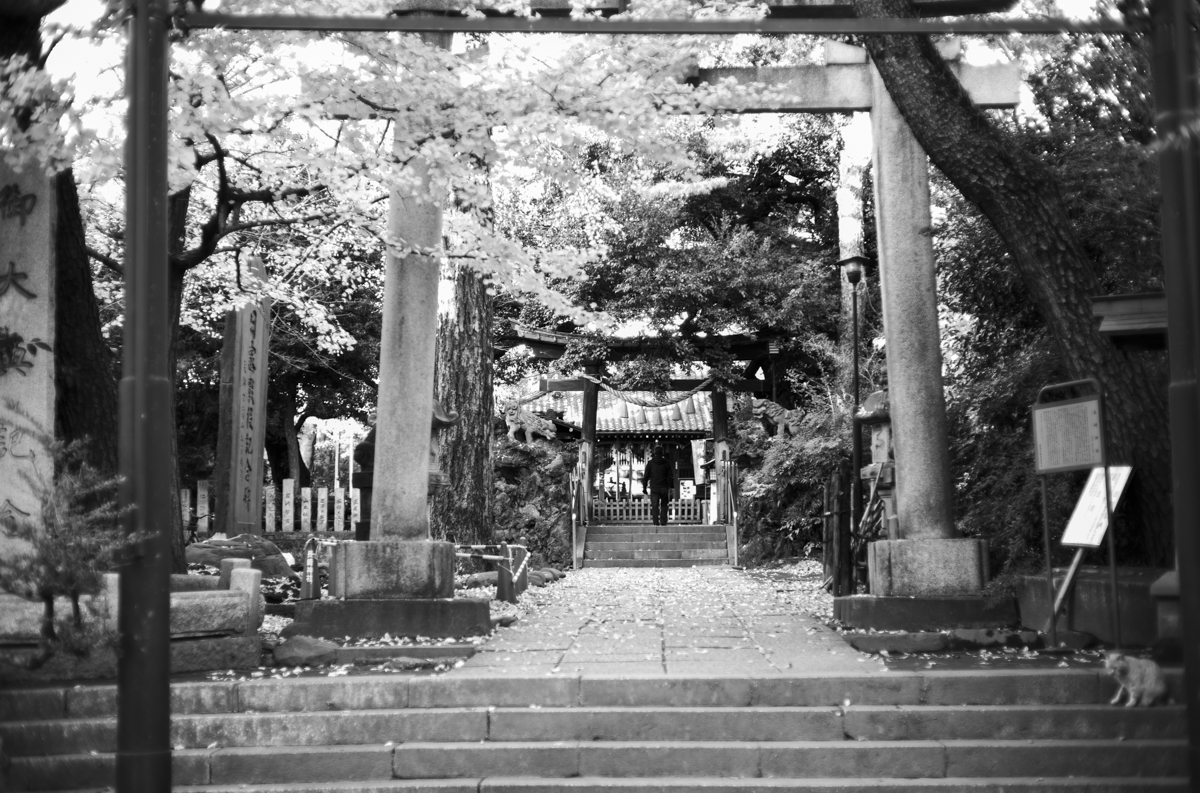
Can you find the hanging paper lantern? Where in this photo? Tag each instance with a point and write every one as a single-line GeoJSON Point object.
{"type": "Point", "coordinates": [689, 407]}
{"type": "Point", "coordinates": [676, 415]}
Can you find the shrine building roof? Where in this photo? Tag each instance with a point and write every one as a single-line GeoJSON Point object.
{"type": "Point", "coordinates": [610, 421]}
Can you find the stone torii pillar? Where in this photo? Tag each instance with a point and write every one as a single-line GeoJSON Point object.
{"type": "Point", "coordinates": [929, 559]}
{"type": "Point", "coordinates": [401, 581]}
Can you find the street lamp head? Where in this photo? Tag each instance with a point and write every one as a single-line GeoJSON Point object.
{"type": "Point", "coordinates": [853, 268]}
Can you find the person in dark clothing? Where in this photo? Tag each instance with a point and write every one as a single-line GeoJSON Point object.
{"type": "Point", "coordinates": [659, 479]}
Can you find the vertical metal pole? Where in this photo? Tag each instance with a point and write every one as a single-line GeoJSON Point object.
{"type": "Point", "coordinates": [1049, 567]}
{"type": "Point", "coordinates": [143, 763]}
{"type": "Point", "coordinates": [1115, 605]}
{"type": "Point", "coordinates": [856, 447]}
{"type": "Point", "coordinates": [1175, 97]}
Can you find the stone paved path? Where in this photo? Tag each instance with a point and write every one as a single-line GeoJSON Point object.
{"type": "Point", "coordinates": [645, 621]}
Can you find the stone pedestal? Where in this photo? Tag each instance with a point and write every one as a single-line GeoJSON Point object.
{"type": "Point", "coordinates": [437, 618]}
{"type": "Point", "coordinates": [392, 570]}
{"type": "Point", "coordinates": [907, 568]}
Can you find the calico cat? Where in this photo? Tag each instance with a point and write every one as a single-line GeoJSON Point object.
{"type": "Point", "coordinates": [1140, 679]}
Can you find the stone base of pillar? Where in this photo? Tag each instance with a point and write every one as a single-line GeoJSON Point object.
{"type": "Point", "coordinates": [924, 613]}
{"type": "Point", "coordinates": [392, 570]}
{"type": "Point", "coordinates": [366, 619]}
{"type": "Point", "coordinates": [927, 568]}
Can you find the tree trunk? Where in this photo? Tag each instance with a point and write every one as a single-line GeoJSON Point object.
{"type": "Point", "coordinates": [1021, 199]}
{"type": "Point", "coordinates": [463, 384]}
{"type": "Point", "coordinates": [85, 398]}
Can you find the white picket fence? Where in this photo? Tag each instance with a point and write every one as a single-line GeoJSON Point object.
{"type": "Point", "coordinates": [282, 510]}
{"type": "Point", "coordinates": [694, 511]}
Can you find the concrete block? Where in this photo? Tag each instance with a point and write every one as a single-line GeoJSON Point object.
{"type": "Point", "coordinates": [454, 692]}
{"type": "Point", "coordinates": [275, 764]}
{"type": "Point", "coordinates": [90, 701]}
{"type": "Point", "coordinates": [359, 693]}
{"type": "Point", "coordinates": [225, 652]}
{"type": "Point", "coordinates": [807, 759]}
{"type": "Point", "coordinates": [227, 568]}
{"type": "Point", "coordinates": [79, 736]}
{"type": "Point", "coordinates": [1087, 607]}
{"type": "Point", "coordinates": [305, 651]}
{"type": "Point", "coordinates": [668, 758]}
{"type": "Point", "coordinates": [249, 581]}
{"type": "Point", "coordinates": [194, 583]}
{"type": "Point", "coordinates": [1066, 758]}
{"type": "Point", "coordinates": [924, 613]}
{"type": "Point", "coordinates": [203, 697]}
{"type": "Point", "coordinates": [897, 642]}
{"type": "Point", "coordinates": [391, 569]}
{"type": "Point", "coordinates": [62, 772]}
{"type": "Point", "coordinates": [21, 619]}
{"type": "Point", "coordinates": [730, 691]}
{"type": "Point", "coordinates": [927, 567]}
{"type": "Point", "coordinates": [809, 690]}
{"type": "Point", "coordinates": [190, 767]}
{"type": "Point", "coordinates": [443, 761]}
{"type": "Point", "coordinates": [1013, 687]}
{"type": "Point", "coordinates": [32, 703]}
{"type": "Point", "coordinates": [328, 728]}
{"type": "Point", "coordinates": [1014, 722]}
{"type": "Point", "coordinates": [334, 619]}
{"type": "Point", "coordinates": [208, 613]}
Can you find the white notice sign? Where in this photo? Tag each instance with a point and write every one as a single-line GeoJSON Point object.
{"type": "Point", "coordinates": [687, 489]}
{"type": "Point", "coordinates": [1067, 435]}
{"type": "Point", "coordinates": [1090, 518]}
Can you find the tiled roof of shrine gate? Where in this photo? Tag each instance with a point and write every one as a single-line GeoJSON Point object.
{"type": "Point", "coordinates": [608, 412]}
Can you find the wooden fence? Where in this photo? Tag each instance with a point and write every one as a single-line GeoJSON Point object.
{"type": "Point", "coordinates": [283, 508]}
{"type": "Point", "coordinates": [638, 511]}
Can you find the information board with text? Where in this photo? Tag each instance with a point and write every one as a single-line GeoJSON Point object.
{"type": "Point", "coordinates": [1090, 518]}
{"type": "Point", "coordinates": [1067, 435]}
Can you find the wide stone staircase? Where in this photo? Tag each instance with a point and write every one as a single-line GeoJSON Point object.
{"type": "Point", "coordinates": [897, 731]}
{"type": "Point", "coordinates": [673, 545]}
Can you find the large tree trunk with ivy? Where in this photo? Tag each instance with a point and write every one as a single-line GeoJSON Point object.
{"type": "Point", "coordinates": [1021, 199]}
{"type": "Point", "coordinates": [85, 389]}
{"type": "Point", "coordinates": [463, 384]}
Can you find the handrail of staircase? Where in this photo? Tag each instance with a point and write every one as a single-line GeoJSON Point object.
{"type": "Point", "coordinates": [578, 515]}
{"type": "Point", "coordinates": [729, 508]}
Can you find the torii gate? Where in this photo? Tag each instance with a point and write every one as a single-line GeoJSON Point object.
{"type": "Point", "coordinates": [930, 558]}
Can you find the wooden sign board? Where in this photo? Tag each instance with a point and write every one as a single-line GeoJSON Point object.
{"type": "Point", "coordinates": [687, 489]}
{"type": "Point", "coordinates": [1089, 521]}
{"type": "Point", "coordinates": [1067, 435]}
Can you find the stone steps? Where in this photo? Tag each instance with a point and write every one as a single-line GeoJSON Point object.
{"type": "Point", "coordinates": [676, 545]}
{"type": "Point", "coordinates": [704, 784]}
{"type": "Point", "coordinates": [655, 545]}
{"type": "Point", "coordinates": [899, 731]}
{"type": "Point", "coordinates": [757, 724]}
{"type": "Point", "coordinates": [266, 765]}
{"type": "Point", "coordinates": [671, 528]}
{"type": "Point", "coordinates": [690, 553]}
{"type": "Point", "coordinates": [654, 562]}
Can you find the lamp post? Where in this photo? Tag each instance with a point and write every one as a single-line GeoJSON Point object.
{"type": "Point", "coordinates": [853, 269]}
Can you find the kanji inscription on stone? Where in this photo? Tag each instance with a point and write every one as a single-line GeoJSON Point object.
{"type": "Point", "coordinates": [27, 224]}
